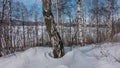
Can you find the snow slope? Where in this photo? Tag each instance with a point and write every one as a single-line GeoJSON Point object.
{"type": "Point", "coordinates": [93, 56]}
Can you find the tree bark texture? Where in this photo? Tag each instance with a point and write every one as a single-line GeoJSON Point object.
{"type": "Point", "coordinates": [58, 49]}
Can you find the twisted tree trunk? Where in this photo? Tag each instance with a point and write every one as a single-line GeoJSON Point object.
{"type": "Point", "coordinates": [58, 49]}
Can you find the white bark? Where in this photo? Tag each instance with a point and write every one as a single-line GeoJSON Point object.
{"type": "Point", "coordinates": [79, 23]}
{"type": "Point", "coordinates": [58, 49]}
{"type": "Point", "coordinates": [109, 24]}
{"type": "Point", "coordinates": [57, 16]}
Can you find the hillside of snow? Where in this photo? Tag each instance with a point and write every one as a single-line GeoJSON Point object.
{"type": "Point", "coordinates": [93, 56]}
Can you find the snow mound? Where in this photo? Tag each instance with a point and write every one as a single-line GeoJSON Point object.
{"type": "Point", "coordinates": [94, 56]}
{"type": "Point", "coordinates": [62, 66]}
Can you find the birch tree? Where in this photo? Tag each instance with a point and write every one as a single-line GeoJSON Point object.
{"type": "Point", "coordinates": [57, 16]}
{"type": "Point", "coordinates": [97, 22]}
{"type": "Point", "coordinates": [10, 22]}
{"type": "Point", "coordinates": [108, 19]}
{"type": "Point", "coordinates": [79, 23]}
{"type": "Point", "coordinates": [58, 49]}
{"type": "Point", "coordinates": [112, 8]}
{"type": "Point", "coordinates": [1, 23]}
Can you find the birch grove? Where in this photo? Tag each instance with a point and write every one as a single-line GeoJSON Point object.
{"type": "Point", "coordinates": [57, 24]}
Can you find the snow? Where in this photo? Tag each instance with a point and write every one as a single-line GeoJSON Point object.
{"type": "Point", "coordinates": [93, 56]}
{"type": "Point", "coordinates": [116, 37]}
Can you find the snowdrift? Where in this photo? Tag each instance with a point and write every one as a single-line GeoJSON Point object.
{"type": "Point", "coordinates": [93, 56]}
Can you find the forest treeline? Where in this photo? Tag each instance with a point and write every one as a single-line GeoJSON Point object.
{"type": "Point", "coordinates": [77, 22]}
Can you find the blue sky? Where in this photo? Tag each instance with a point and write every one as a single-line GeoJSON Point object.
{"type": "Point", "coordinates": [29, 3]}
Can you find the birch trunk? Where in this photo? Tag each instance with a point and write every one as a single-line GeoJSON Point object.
{"type": "Point", "coordinates": [109, 24]}
{"type": "Point", "coordinates": [57, 16]}
{"type": "Point", "coordinates": [79, 23]}
{"type": "Point", "coordinates": [58, 49]}
{"type": "Point", "coordinates": [10, 23]}
{"type": "Point", "coordinates": [97, 22]}
{"type": "Point", "coordinates": [1, 24]}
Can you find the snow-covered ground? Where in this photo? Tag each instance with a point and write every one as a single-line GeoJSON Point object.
{"type": "Point", "coordinates": [93, 56]}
